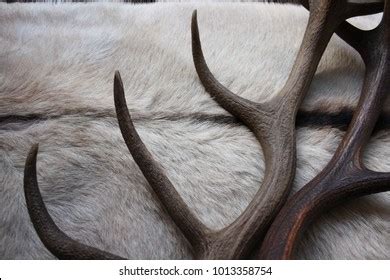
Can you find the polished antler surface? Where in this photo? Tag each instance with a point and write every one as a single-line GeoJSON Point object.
{"type": "Point", "coordinates": [345, 176]}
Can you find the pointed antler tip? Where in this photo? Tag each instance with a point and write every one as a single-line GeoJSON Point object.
{"type": "Point", "coordinates": [195, 28]}
{"type": "Point", "coordinates": [120, 103]}
{"type": "Point", "coordinates": [117, 75]}
{"type": "Point", "coordinates": [194, 18]}
{"type": "Point", "coordinates": [35, 146]}
{"type": "Point", "coordinates": [32, 154]}
{"type": "Point", "coordinates": [194, 22]}
{"type": "Point", "coordinates": [118, 85]}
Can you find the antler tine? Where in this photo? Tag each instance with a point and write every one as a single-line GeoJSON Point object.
{"type": "Point", "coordinates": [236, 105]}
{"type": "Point", "coordinates": [345, 176]}
{"type": "Point", "coordinates": [55, 240]}
{"type": "Point", "coordinates": [193, 229]}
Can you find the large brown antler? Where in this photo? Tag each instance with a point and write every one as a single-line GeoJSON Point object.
{"type": "Point", "coordinates": [271, 122]}
{"type": "Point", "coordinates": [345, 176]}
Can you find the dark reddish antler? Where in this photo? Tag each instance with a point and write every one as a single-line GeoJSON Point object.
{"type": "Point", "coordinates": [345, 176]}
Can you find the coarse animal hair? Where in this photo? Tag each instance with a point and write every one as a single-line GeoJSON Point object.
{"type": "Point", "coordinates": [56, 70]}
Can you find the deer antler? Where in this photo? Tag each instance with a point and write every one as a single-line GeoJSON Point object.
{"type": "Point", "coordinates": [191, 227]}
{"type": "Point", "coordinates": [57, 242]}
{"type": "Point", "coordinates": [345, 176]}
{"type": "Point", "coordinates": [272, 123]}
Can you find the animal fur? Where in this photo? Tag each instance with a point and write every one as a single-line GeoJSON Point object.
{"type": "Point", "coordinates": [56, 78]}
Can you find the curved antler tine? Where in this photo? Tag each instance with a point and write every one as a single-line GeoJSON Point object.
{"type": "Point", "coordinates": [193, 229]}
{"type": "Point", "coordinates": [236, 105]}
{"type": "Point", "coordinates": [55, 240]}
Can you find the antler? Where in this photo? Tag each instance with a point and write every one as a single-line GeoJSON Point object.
{"type": "Point", "coordinates": [191, 227]}
{"type": "Point", "coordinates": [56, 241]}
{"type": "Point", "coordinates": [345, 176]}
{"type": "Point", "coordinates": [272, 123]}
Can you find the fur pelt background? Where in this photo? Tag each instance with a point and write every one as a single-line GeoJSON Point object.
{"type": "Point", "coordinates": [56, 78]}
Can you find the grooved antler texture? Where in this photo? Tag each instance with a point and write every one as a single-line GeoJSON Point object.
{"type": "Point", "coordinates": [272, 123]}
{"type": "Point", "coordinates": [345, 176]}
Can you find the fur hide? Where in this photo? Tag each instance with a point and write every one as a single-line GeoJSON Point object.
{"type": "Point", "coordinates": [56, 77]}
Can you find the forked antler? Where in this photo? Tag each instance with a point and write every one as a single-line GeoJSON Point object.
{"type": "Point", "coordinates": [271, 122]}
{"type": "Point", "coordinates": [345, 176]}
